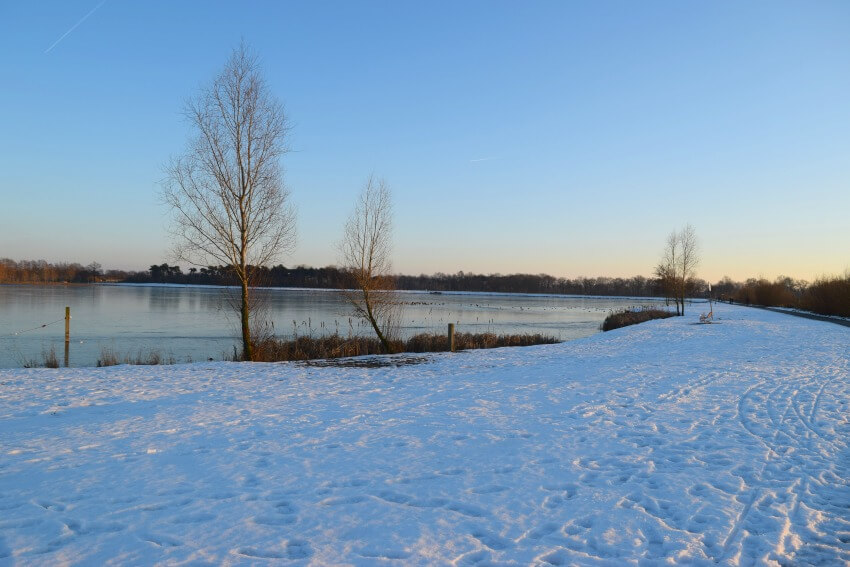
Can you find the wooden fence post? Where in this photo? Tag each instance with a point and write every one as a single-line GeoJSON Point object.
{"type": "Point", "coordinates": [67, 333]}
{"type": "Point", "coordinates": [452, 337]}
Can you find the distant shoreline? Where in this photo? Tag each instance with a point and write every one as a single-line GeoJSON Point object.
{"type": "Point", "coordinates": [327, 290]}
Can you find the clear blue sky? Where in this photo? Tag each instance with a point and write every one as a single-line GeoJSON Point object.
{"type": "Point", "coordinates": [559, 137]}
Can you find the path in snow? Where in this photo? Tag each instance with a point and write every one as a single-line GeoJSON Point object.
{"type": "Point", "coordinates": [722, 443]}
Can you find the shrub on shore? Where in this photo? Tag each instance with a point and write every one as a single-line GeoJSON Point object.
{"type": "Point", "coordinates": [108, 357]}
{"type": "Point", "coordinates": [764, 292]}
{"type": "Point", "coordinates": [826, 296]}
{"type": "Point", "coordinates": [335, 346]}
{"type": "Point", "coordinates": [633, 317]}
{"type": "Point", "coordinates": [48, 360]}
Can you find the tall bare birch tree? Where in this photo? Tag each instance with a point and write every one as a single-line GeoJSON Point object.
{"type": "Point", "coordinates": [365, 255]}
{"type": "Point", "coordinates": [678, 264]}
{"type": "Point", "coordinates": [229, 202]}
{"type": "Point", "coordinates": [687, 261]}
{"type": "Point", "coordinates": [667, 269]}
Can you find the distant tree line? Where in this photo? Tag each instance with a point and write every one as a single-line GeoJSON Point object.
{"type": "Point", "coordinates": [532, 283]}
{"type": "Point", "coordinates": [40, 271]}
{"type": "Point", "coordinates": [332, 277]}
{"type": "Point", "coordinates": [828, 295]}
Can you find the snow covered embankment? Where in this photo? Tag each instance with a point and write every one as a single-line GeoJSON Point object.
{"type": "Point", "coordinates": [669, 440]}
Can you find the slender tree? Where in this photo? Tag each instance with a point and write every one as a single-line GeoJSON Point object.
{"type": "Point", "coordinates": [667, 269]}
{"type": "Point", "coordinates": [227, 194]}
{"type": "Point", "coordinates": [688, 260]}
{"type": "Point", "coordinates": [365, 255]}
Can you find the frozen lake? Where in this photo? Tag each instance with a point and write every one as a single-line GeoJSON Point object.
{"type": "Point", "coordinates": [197, 323]}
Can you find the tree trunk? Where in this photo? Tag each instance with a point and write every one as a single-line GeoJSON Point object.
{"type": "Point", "coordinates": [381, 337]}
{"type": "Point", "coordinates": [247, 349]}
{"type": "Point", "coordinates": [374, 323]}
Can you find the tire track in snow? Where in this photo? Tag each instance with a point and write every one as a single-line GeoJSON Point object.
{"type": "Point", "coordinates": [806, 421]}
{"type": "Point", "coordinates": [756, 490]}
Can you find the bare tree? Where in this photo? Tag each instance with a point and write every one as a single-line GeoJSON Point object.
{"type": "Point", "coordinates": [365, 252]}
{"type": "Point", "coordinates": [667, 269]}
{"type": "Point", "coordinates": [688, 260]}
{"type": "Point", "coordinates": [677, 269]}
{"type": "Point", "coordinates": [229, 201]}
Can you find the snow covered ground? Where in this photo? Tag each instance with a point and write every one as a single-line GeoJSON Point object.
{"type": "Point", "coordinates": [665, 442]}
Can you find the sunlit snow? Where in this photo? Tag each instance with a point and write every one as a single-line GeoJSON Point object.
{"type": "Point", "coordinates": [668, 441]}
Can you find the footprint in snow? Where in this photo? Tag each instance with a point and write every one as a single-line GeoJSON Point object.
{"type": "Point", "coordinates": [298, 549]}
{"type": "Point", "coordinates": [558, 557]}
{"type": "Point", "coordinates": [394, 554]}
{"type": "Point", "coordinates": [80, 528]}
{"type": "Point", "coordinates": [274, 520]}
{"type": "Point", "coordinates": [481, 556]}
{"type": "Point", "coordinates": [490, 489]}
{"type": "Point", "coordinates": [427, 502]}
{"type": "Point", "coordinates": [54, 506]}
{"type": "Point", "coordinates": [161, 540]}
{"type": "Point", "coordinates": [699, 490]}
{"type": "Point", "coordinates": [394, 497]}
{"type": "Point", "coordinates": [250, 481]}
{"type": "Point", "coordinates": [222, 495]}
{"type": "Point", "coordinates": [451, 472]}
{"type": "Point", "coordinates": [284, 507]}
{"type": "Point", "coordinates": [542, 531]}
{"type": "Point", "coordinates": [196, 518]}
{"type": "Point", "coordinates": [337, 501]}
{"type": "Point", "coordinates": [491, 540]}
{"type": "Point", "coordinates": [259, 553]}
{"type": "Point", "coordinates": [466, 509]}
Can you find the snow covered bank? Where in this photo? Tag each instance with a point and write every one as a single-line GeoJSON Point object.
{"type": "Point", "coordinates": [664, 441]}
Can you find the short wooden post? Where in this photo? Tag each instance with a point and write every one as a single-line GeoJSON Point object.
{"type": "Point", "coordinates": [67, 333]}
{"type": "Point", "coordinates": [452, 337]}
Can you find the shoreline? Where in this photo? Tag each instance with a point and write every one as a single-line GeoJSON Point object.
{"type": "Point", "coordinates": [692, 300]}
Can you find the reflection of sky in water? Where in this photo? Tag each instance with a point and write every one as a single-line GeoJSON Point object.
{"type": "Point", "coordinates": [198, 323]}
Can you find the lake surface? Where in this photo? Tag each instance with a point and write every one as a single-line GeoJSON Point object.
{"type": "Point", "coordinates": [195, 323]}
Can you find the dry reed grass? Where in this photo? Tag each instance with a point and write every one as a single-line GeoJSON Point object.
{"type": "Point", "coordinates": [336, 346]}
{"type": "Point", "coordinates": [108, 357]}
{"type": "Point", "coordinates": [633, 317]}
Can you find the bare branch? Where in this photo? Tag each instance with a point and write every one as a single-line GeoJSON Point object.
{"type": "Point", "coordinates": [226, 192]}
{"type": "Point", "coordinates": [365, 254]}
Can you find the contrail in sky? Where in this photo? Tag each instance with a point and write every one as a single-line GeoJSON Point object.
{"type": "Point", "coordinates": [483, 159]}
{"type": "Point", "coordinates": [83, 19]}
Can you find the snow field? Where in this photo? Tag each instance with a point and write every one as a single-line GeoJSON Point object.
{"type": "Point", "coordinates": [665, 442]}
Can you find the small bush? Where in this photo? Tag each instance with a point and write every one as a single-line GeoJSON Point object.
{"type": "Point", "coordinates": [633, 317]}
{"type": "Point", "coordinates": [335, 346]}
{"type": "Point", "coordinates": [50, 360]}
{"type": "Point", "coordinates": [108, 357]}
